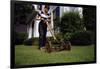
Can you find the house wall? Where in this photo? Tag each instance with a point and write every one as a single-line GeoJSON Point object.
{"type": "Point", "coordinates": [29, 31]}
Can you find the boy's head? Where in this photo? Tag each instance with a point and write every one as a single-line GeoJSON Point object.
{"type": "Point", "coordinates": [46, 8]}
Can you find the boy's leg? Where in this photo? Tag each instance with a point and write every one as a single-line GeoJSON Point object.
{"type": "Point", "coordinates": [44, 36]}
{"type": "Point", "coordinates": [40, 36]}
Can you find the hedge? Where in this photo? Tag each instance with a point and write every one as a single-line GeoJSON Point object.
{"type": "Point", "coordinates": [19, 38]}
{"type": "Point", "coordinates": [82, 38]}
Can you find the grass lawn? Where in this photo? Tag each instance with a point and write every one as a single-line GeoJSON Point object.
{"type": "Point", "coordinates": [27, 55]}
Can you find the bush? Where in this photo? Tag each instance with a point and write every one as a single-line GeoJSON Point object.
{"type": "Point", "coordinates": [36, 41]}
{"type": "Point", "coordinates": [82, 38]}
{"type": "Point", "coordinates": [67, 36]}
{"type": "Point", "coordinates": [71, 22]}
{"type": "Point", "coordinates": [19, 37]}
{"type": "Point", "coordinates": [30, 41]}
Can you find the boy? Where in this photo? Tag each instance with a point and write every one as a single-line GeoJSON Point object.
{"type": "Point", "coordinates": [44, 16]}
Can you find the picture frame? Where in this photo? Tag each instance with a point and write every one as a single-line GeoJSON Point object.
{"type": "Point", "coordinates": [19, 15]}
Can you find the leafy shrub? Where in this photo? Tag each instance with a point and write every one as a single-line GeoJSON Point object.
{"type": "Point", "coordinates": [89, 18]}
{"type": "Point", "coordinates": [82, 38]}
{"type": "Point", "coordinates": [36, 41]}
{"type": "Point", "coordinates": [58, 36]}
{"type": "Point", "coordinates": [19, 37]}
{"type": "Point", "coordinates": [30, 41]}
{"type": "Point", "coordinates": [71, 22]}
{"type": "Point", "coordinates": [67, 36]}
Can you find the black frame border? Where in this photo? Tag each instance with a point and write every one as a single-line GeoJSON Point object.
{"type": "Point", "coordinates": [12, 51]}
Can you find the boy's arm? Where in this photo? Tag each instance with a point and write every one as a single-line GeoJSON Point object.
{"type": "Point", "coordinates": [49, 20]}
{"type": "Point", "coordinates": [38, 17]}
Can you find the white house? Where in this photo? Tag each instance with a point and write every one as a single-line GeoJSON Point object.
{"type": "Point", "coordinates": [59, 12]}
{"type": "Point", "coordinates": [64, 9]}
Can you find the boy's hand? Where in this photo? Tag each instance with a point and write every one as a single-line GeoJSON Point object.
{"type": "Point", "coordinates": [42, 18]}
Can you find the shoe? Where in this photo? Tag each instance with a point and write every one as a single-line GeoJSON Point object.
{"type": "Point", "coordinates": [42, 48]}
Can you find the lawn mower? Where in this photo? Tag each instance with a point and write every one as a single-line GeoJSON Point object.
{"type": "Point", "coordinates": [56, 45]}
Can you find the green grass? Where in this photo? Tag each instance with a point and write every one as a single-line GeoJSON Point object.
{"type": "Point", "coordinates": [27, 55]}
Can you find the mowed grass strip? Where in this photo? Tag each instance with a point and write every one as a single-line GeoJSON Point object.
{"type": "Point", "coordinates": [28, 55]}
